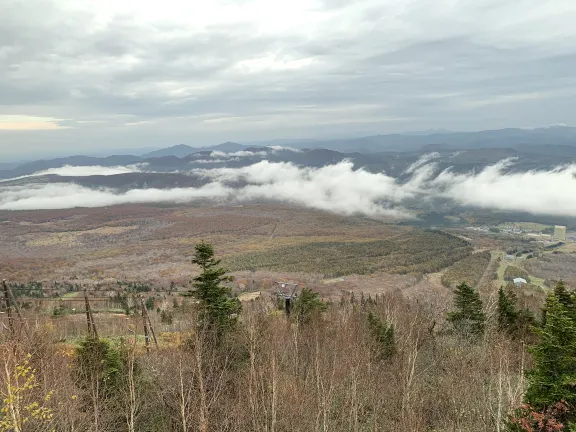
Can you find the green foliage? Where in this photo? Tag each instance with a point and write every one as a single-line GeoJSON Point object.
{"type": "Point", "coordinates": [507, 314]}
{"type": "Point", "coordinates": [166, 317]}
{"type": "Point", "coordinates": [510, 319]}
{"type": "Point", "coordinates": [61, 310]}
{"type": "Point", "coordinates": [218, 309]}
{"type": "Point", "coordinates": [566, 298]}
{"type": "Point", "coordinates": [31, 289]}
{"type": "Point", "coordinates": [149, 303]}
{"type": "Point", "coordinates": [416, 252]}
{"type": "Point", "coordinates": [99, 363]}
{"type": "Point", "coordinates": [124, 302]}
{"type": "Point", "coordinates": [469, 270]}
{"type": "Point", "coordinates": [468, 318]}
{"type": "Point", "coordinates": [384, 335]}
{"type": "Point", "coordinates": [513, 272]}
{"type": "Point", "coordinates": [308, 305]}
{"type": "Point", "coordinates": [553, 378]}
{"type": "Point", "coordinates": [136, 287]}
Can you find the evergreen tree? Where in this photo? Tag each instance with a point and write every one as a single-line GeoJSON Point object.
{"type": "Point", "coordinates": [100, 364]}
{"type": "Point", "coordinates": [510, 319]}
{"type": "Point", "coordinates": [566, 298]}
{"type": "Point", "coordinates": [468, 318]}
{"type": "Point", "coordinates": [507, 314]}
{"type": "Point", "coordinates": [553, 379]}
{"type": "Point", "coordinates": [149, 303]}
{"type": "Point", "coordinates": [166, 317]}
{"type": "Point", "coordinates": [307, 305]}
{"type": "Point", "coordinates": [218, 309]}
{"type": "Point", "coordinates": [384, 335]}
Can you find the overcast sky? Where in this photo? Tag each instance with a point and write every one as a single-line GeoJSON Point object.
{"type": "Point", "coordinates": [78, 76]}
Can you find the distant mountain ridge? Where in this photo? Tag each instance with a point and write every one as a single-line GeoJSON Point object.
{"type": "Point", "coordinates": [182, 150]}
{"type": "Point", "coordinates": [501, 138]}
{"type": "Point", "coordinates": [534, 148]}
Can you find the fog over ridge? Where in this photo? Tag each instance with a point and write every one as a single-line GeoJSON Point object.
{"type": "Point", "coordinates": [337, 188]}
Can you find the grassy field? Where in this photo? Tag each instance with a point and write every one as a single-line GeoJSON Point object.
{"type": "Point", "coordinates": [520, 263]}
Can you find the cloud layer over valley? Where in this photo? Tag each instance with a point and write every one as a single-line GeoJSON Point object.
{"type": "Point", "coordinates": [337, 188]}
{"type": "Point", "coordinates": [81, 171]}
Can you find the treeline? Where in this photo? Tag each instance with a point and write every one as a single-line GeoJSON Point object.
{"type": "Point", "coordinates": [513, 272]}
{"type": "Point", "coordinates": [381, 363]}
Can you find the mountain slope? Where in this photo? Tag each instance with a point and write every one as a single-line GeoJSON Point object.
{"type": "Point", "coordinates": [182, 150]}
{"type": "Point", "coordinates": [179, 150]}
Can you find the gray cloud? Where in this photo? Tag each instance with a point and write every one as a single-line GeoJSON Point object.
{"type": "Point", "coordinates": [202, 75]}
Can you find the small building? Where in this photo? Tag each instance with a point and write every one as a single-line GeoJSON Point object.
{"type": "Point", "coordinates": [559, 233]}
{"type": "Point", "coordinates": [519, 282]}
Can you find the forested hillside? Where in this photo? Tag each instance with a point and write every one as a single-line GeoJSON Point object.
{"type": "Point", "coordinates": [383, 363]}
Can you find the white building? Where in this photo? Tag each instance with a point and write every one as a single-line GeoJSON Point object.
{"type": "Point", "coordinates": [519, 282]}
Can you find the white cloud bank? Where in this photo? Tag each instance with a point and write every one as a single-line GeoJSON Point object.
{"type": "Point", "coordinates": [82, 171]}
{"type": "Point", "coordinates": [537, 192]}
{"type": "Point", "coordinates": [336, 188]}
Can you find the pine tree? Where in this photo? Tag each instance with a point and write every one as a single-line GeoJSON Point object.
{"type": "Point", "coordinates": [218, 309]}
{"type": "Point", "coordinates": [468, 318]}
{"type": "Point", "coordinates": [566, 298]}
{"type": "Point", "coordinates": [553, 378]}
{"type": "Point", "coordinates": [516, 322]}
{"type": "Point", "coordinates": [384, 335]}
{"type": "Point", "coordinates": [307, 305]}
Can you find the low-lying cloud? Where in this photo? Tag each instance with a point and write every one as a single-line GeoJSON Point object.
{"type": "Point", "coordinates": [83, 171]}
{"type": "Point", "coordinates": [337, 188]}
{"type": "Point", "coordinates": [537, 192]}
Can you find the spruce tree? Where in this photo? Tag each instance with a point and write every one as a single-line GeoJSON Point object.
{"type": "Point", "coordinates": [384, 335]}
{"type": "Point", "coordinates": [516, 322]}
{"type": "Point", "coordinates": [218, 308]}
{"type": "Point", "coordinates": [553, 378]}
{"type": "Point", "coordinates": [468, 318]}
{"type": "Point", "coordinates": [507, 314]}
{"type": "Point", "coordinates": [566, 298]}
{"type": "Point", "coordinates": [307, 305]}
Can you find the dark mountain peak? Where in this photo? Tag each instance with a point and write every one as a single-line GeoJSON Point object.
{"type": "Point", "coordinates": [228, 146]}
{"type": "Point", "coordinates": [179, 150]}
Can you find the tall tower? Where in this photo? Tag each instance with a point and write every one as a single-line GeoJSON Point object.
{"type": "Point", "coordinates": [559, 233]}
